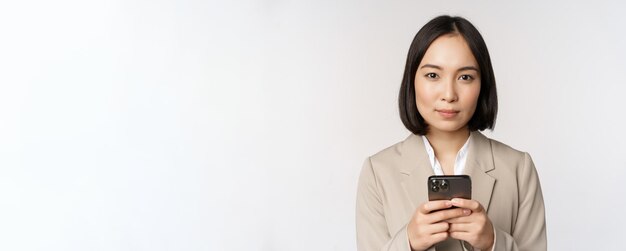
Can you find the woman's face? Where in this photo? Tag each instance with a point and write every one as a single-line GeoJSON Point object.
{"type": "Point", "coordinates": [447, 84]}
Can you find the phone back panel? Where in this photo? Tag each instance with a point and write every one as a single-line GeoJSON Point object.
{"type": "Point", "coordinates": [446, 187]}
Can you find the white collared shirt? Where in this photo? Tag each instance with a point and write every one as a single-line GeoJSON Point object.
{"type": "Point", "coordinates": [459, 162]}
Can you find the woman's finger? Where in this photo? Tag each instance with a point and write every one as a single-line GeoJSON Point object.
{"type": "Point", "coordinates": [438, 227]}
{"type": "Point", "coordinates": [446, 214]}
{"type": "Point", "coordinates": [439, 237]}
{"type": "Point", "coordinates": [461, 220]}
{"type": "Point", "coordinates": [473, 205]}
{"type": "Point", "coordinates": [435, 205]}
{"type": "Point", "coordinates": [460, 227]}
{"type": "Point", "coordinates": [464, 236]}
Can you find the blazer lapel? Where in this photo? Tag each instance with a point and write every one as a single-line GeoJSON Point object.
{"type": "Point", "coordinates": [416, 168]}
{"type": "Point", "coordinates": [479, 163]}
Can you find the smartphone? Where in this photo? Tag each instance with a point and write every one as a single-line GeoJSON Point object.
{"type": "Point", "coordinates": [446, 187]}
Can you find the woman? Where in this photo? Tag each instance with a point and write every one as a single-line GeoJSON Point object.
{"type": "Point", "coordinates": [448, 95]}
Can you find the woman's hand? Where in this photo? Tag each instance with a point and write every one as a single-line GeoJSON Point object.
{"type": "Point", "coordinates": [428, 226]}
{"type": "Point", "coordinates": [476, 228]}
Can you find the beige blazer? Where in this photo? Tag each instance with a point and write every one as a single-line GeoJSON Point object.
{"type": "Point", "coordinates": [393, 184]}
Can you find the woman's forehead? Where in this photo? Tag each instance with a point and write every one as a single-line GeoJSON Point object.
{"type": "Point", "coordinates": [449, 52]}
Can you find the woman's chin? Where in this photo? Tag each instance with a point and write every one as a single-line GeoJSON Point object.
{"type": "Point", "coordinates": [448, 128]}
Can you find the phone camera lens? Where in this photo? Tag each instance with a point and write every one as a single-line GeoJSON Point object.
{"type": "Point", "coordinates": [435, 188]}
{"type": "Point", "coordinates": [444, 185]}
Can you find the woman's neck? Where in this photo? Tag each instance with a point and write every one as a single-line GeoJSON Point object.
{"type": "Point", "coordinates": [447, 143]}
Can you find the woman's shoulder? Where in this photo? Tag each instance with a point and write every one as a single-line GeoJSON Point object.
{"type": "Point", "coordinates": [502, 148]}
{"type": "Point", "coordinates": [505, 153]}
{"type": "Point", "coordinates": [397, 149]}
{"type": "Point", "coordinates": [395, 157]}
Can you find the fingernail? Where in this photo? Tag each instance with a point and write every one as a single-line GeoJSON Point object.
{"type": "Point", "coordinates": [453, 202]}
{"type": "Point", "coordinates": [467, 211]}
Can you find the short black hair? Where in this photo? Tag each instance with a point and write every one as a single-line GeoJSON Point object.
{"type": "Point", "coordinates": [487, 105]}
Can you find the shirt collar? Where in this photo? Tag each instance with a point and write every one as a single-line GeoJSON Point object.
{"type": "Point", "coordinates": [460, 160]}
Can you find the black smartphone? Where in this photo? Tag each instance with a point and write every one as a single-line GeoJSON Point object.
{"type": "Point", "coordinates": [446, 187]}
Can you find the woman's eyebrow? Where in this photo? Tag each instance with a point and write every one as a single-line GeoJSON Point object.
{"type": "Point", "coordinates": [464, 68]}
{"type": "Point", "coordinates": [431, 66]}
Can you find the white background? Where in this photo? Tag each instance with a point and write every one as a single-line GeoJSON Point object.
{"type": "Point", "coordinates": [192, 125]}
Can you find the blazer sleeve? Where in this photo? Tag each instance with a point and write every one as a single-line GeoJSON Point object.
{"type": "Point", "coordinates": [372, 233]}
{"type": "Point", "coordinates": [529, 231]}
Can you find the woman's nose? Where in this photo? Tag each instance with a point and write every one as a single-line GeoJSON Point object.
{"type": "Point", "coordinates": [449, 92]}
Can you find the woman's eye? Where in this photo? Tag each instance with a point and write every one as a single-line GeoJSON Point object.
{"type": "Point", "coordinates": [466, 77]}
{"type": "Point", "coordinates": [431, 75]}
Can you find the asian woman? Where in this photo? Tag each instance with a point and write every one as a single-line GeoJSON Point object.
{"type": "Point", "coordinates": [447, 96]}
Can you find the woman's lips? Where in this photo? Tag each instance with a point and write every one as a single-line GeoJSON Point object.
{"type": "Point", "coordinates": [447, 113]}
